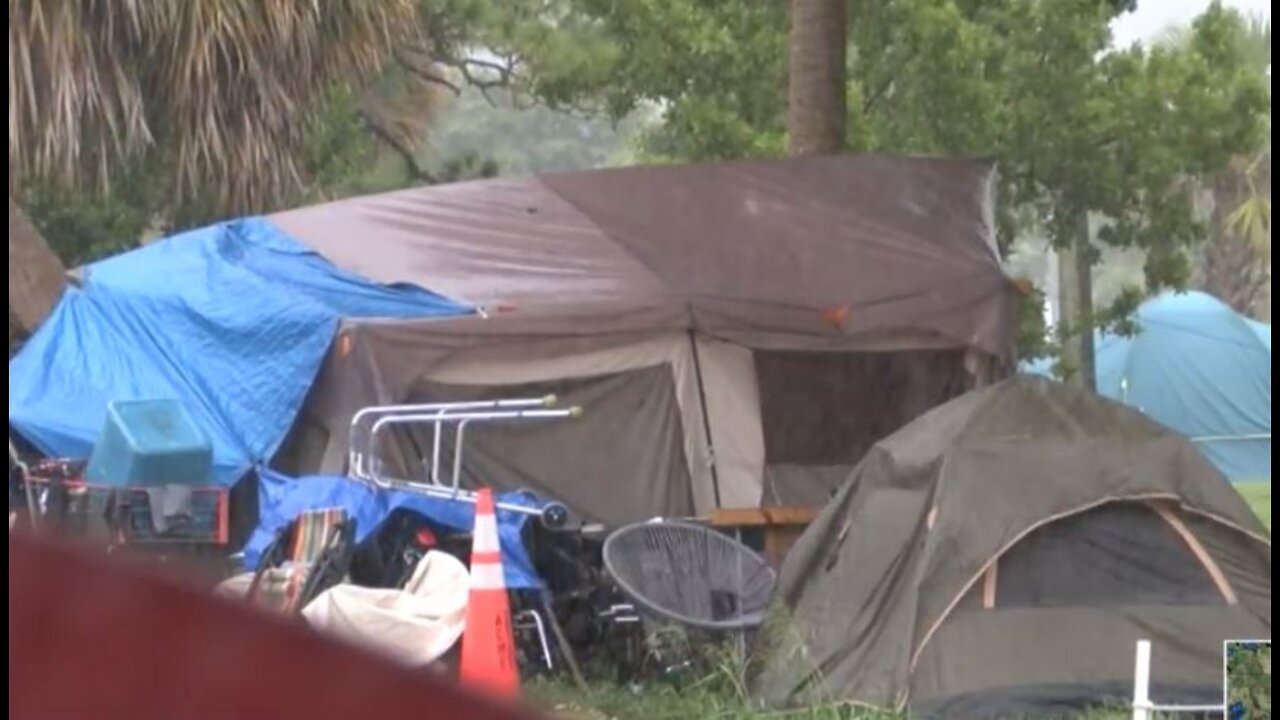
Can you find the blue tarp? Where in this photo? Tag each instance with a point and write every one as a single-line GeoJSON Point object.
{"type": "Point", "coordinates": [233, 320]}
{"type": "Point", "coordinates": [282, 498]}
{"type": "Point", "coordinates": [1201, 369]}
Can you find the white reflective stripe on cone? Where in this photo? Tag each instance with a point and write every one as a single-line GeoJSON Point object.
{"type": "Point", "coordinates": [487, 576]}
{"type": "Point", "coordinates": [485, 535]}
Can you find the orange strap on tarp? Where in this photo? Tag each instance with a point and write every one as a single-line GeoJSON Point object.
{"type": "Point", "coordinates": [90, 637]}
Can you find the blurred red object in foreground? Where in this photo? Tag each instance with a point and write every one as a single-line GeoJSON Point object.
{"type": "Point", "coordinates": [90, 639]}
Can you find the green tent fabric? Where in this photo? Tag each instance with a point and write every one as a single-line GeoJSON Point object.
{"type": "Point", "coordinates": [1002, 555]}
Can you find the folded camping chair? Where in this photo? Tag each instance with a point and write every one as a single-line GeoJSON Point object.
{"type": "Point", "coordinates": [310, 555]}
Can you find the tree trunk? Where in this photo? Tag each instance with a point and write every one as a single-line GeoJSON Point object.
{"type": "Point", "coordinates": [36, 275]}
{"type": "Point", "coordinates": [817, 102]}
{"type": "Point", "coordinates": [1084, 282]}
{"type": "Point", "coordinates": [1075, 287]}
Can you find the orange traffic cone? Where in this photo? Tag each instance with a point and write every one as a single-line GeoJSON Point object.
{"type": "Point", "coordinates": [488, 647]}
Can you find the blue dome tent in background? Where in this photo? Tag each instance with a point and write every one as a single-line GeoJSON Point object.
{"type": "Point", "coordinates": [232, 320]}
{"type": "Point", "coordinates": [1201, 369]}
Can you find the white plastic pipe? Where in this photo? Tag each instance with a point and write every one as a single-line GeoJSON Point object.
{"type": "Point", "coordinates": [1142, 682]}
{"type": "Point", "coordinates": [1143, 706]}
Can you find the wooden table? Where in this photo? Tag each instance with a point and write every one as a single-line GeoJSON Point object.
{"type": "Point", "coordinates": [780, 526]}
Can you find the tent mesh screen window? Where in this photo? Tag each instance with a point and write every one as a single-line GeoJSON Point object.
{"type": "Point", "coordinates": [1118, 554]}
{"type": "Point", "coordinates": [827, 408]}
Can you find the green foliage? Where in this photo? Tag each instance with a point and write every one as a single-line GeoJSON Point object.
{"type": "Point", "coordinates": [215, 92]}
{"type": "Point", "coordinates": [1078, 128]}
{"type": "Point", "coordinates": [83, 228]}
{"type": "Point", "coordinates": [707, 678]}
{"type": "Point", "coordinates": [341, 141]}
{"type": "Point", "coordinates": [515, 51]}
{"type": "Point", "coordinates": [1079, 131]}
{"type": "Point", "coordinates": [339, 156]}
{"type": "Point", "coordinates": [718, 692]}
{"type": "Point", "coordinates": [1249, 679]}
{"type": "Point", "coordinates": [716, 67]}
{"type": "Point", "coordinates": [562, 701]}
{"type": "Point", "coordinates": [1033, 335]}
{"type": "Point", "coordinates": [1258, 495]}
{"type": "Point", "coordinates": [518, 140]}
{"type": "Point", "coordinates": [612, 702]}
{"type": "Point", "coordinates": [1234, 260]}
{"type": "Point", "coordinates": [338, 151]}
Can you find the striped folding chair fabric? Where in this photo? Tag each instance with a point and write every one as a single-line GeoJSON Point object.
{"type": "Point", "coordinates": [286, 576]}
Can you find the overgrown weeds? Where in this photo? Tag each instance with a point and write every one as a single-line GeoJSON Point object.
{"type": "Point", "coordinates": [713, 686]}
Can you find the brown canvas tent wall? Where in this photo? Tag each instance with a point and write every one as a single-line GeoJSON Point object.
{"type": "Point", "coordinates": [716, 320]}
{"type": "Point", "coordinates": [1002, 555]}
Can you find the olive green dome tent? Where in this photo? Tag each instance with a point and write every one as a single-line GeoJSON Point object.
{"type": "Point", "coordinates": [1003, 554]}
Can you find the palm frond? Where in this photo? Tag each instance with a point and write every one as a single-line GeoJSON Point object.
{"type": "Point", "coordinates": [1252, 220]}
{"type": "Point", "coordinates": [216, 90]}
{"type": "Point", "coordinates": [74, 99]}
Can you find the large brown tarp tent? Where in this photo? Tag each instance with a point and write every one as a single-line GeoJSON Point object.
{"type": "Point", "coordinates": [1002, 555]}
{"type": "Point", "coordinates": [737, 332]}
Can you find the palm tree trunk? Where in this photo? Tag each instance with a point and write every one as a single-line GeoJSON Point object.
{"type": "Point", "coordinates": [36, 275]}
{"type": "Point", "coordinates": [817, 102]}
{"type": "Point", "coordinates": [1234, 272]}
{"type": "Point", "coordinates": [1232, 268]}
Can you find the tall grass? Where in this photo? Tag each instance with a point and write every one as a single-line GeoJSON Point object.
{"type": "Point", "coordinates": [715, 691]}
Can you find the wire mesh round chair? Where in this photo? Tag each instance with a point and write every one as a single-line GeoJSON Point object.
{"type": "Point", "coordinates": [690, 574]}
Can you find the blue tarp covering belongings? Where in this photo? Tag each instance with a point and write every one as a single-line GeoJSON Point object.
{"type": "Point", "coordinates": [1201, 369]}
{"type": "Point", "coordinates": [282, 498]}
{"type": "Point", "coordinates": [233, 320]}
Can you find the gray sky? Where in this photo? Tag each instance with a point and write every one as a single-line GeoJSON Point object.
{"type": "Point", "coordinates": [1154, 16]}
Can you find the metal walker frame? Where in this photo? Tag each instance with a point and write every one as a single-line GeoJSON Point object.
{"type": "Point", "coordinates": [370, 423]}
{"type": "Point", "coordinates": [365, 465]}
